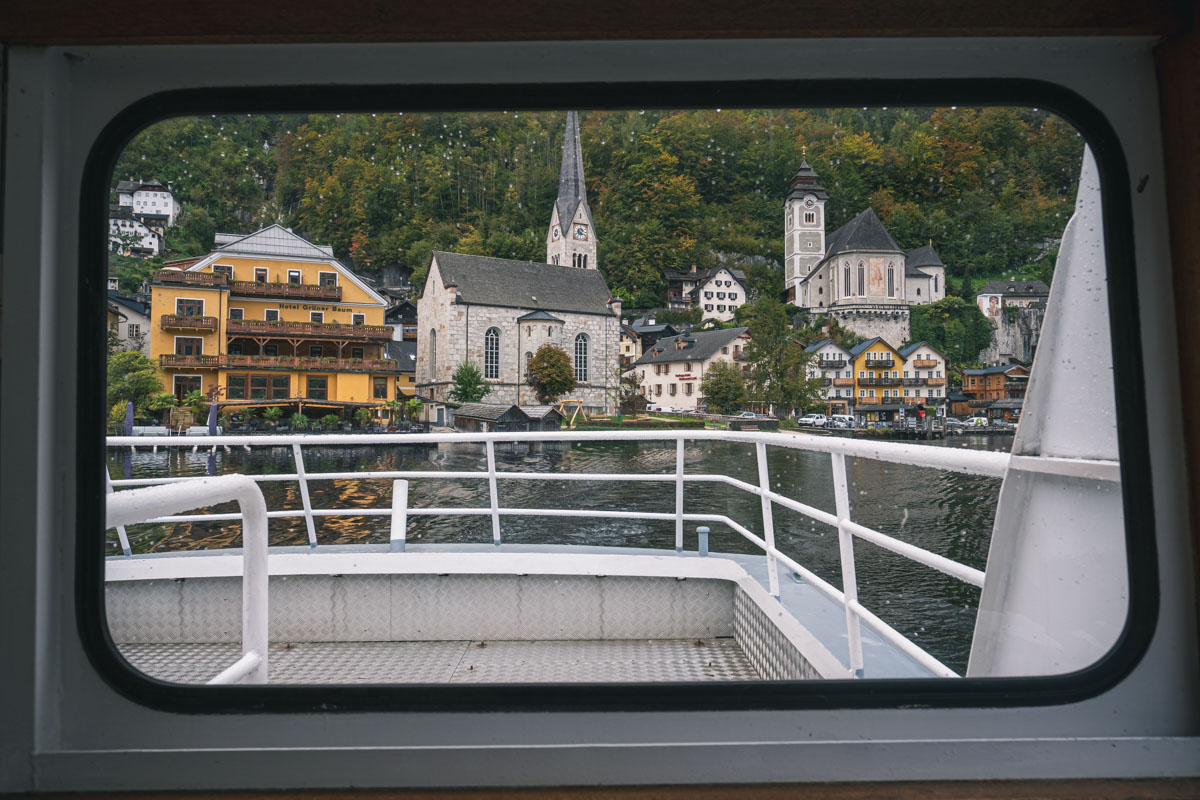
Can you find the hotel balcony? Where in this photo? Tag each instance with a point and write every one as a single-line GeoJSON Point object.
{"type": "Point", "coordinates": [880, 381]}
{"type": "Point", "coordinates": [305, 363]}
{"type": "Point", "coordinates": [182, 322]}
{"type": "Point", "coordinates": [843, 381]}
{"type": "Point", "coordinates": [914, 381]}
{"type": "Point", "coordinates": [923, 363]}
{"type": "Point", "coordinates": [307, 330]}
{"type": "Point", "coordinates": [831, 363]}
{"type": "Point", "coordinates": [189, 278]}
{"type": "Point", "coordinates": [935, 381]}
{"type": "Point", "coordinates": [879, 363]}
{"type": "Point", "coordinates": [287, 291]}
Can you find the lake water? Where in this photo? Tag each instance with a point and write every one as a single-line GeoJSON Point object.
{"type": "Point", "coordinates": [947, 513]}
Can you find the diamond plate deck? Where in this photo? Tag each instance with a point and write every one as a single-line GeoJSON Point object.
{"type": "Point", "coordinates": [611, 661]}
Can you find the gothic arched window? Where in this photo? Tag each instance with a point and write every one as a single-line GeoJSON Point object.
{"type": "Point", "coordinates": [491, 354]}
{"type": "Point", "coordinates": [432, 353]}
{"type": "Point", "coordinates": [581, 358]}
{"type": "Point", "coordinates": [935, 277]}
{"type": "Point", "coordinates": [862, 279]}
{"type": "Point", "coordinates": [891, 279]}
{"type": "Point", "coordinates": [846, 273]}
{"type": "Point", "coordinates": [528, 356]}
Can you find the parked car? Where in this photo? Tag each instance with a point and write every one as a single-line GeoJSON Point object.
{"type": "Point", "coordinates": [840, 421]}
{"type": "Point", "coordinates": [976, 422]}
{"type": "Point", "coordinates": [813, 420]}
{"type": "Point", "coordinates": [747, 415]}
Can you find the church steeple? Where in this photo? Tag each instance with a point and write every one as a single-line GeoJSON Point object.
{"type": "Point", "coordinates": [571, 239]}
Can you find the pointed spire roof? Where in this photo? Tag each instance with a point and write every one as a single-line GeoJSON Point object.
{"type": "Point", "coordinates": [572, 190]}
{"type": "Point", "coordinates": [864, 232]}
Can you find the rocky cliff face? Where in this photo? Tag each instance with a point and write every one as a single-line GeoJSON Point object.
{"type": "Point", "coordinates": [1015, 335]}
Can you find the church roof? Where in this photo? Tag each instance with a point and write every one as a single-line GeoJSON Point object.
{"type": "Point", "coordinates": [487, 281]}
{"type": "Point", "coordinates": [864, 232]}
{"type": "Point", "coordinates": [924, 256]}
{"type": "Point", "coordinates": [572, 190]}
{"type": "Point", "coordinates": [807, 181]}
{"type": "Point", "coordinates": [700, 346]}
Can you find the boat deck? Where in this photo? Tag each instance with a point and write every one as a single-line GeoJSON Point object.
{"type": "Point", "coordinates": [610, 661]}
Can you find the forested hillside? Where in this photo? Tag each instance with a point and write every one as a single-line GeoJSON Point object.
{"type": "Point", "coordinates": [668, 189]}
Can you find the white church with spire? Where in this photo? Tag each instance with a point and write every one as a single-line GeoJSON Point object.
{"type": "Point", "coordinates": [858, 274]}
{"type": "Point", "coordinates": [571, 237]}
{"type": "Point", "coordinates": [497, 312]}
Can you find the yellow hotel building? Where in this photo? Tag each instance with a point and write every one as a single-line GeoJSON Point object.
{"type": "Point", "coordinates": [272, 319]}
{"type": "Point", "coordinates": [878, 378]}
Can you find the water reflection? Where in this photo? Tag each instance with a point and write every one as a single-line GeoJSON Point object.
{"type": "Point", "coordinates": [948, 513]}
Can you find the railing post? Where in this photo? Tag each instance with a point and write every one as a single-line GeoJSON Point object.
{"type": "Point", "coordinates": [679, 495]}
{"type": "Point", "coordinates": [495, 498]}
{"type": "Point", "coordinates": [702, 540]}
{"type": "Point", "coordinates": [399, 515]}
{"type": "Point", "coordinates": [841, 501]}
{"type": "Point", "coordinates": [303, 478]}
{"type": "Point", "coordinates": [121, 535]}
{"type": "Point", "coordinates": [768, 516]}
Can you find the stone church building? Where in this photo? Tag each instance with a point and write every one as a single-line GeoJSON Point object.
{"type": "Point", "coordinates": [497, 312]}
{"type": "Point", "coordinates": [857, 274]}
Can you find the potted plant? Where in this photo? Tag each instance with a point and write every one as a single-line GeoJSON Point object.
{"type": "Point", "coordinates": [328, 422]}
{"type": "Point", "coordinates": [362, 416]}
{"type": "Point", "coordinates": [298, 421]}
{"type": "Point", "coordinates": [272, 415]}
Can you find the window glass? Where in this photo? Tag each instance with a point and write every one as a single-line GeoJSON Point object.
{"type": "Point", "coordinates": [895, 195]}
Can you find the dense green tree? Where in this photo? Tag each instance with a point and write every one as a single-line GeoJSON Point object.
{"type": "Point", "coordinates": [550, 373]}
{"type": "Point", "coordinates": [468, 384]}
{"type": "Point", "coordinates": [132, 377]}
{"type": "Point", "coordinates": [954, 326]}
{"type": "Point", "coordinates": [777, 359]}
{"type": "Point", "coordinates": [723, 387]}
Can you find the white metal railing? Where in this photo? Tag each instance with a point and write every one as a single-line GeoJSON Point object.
{"type": "Point", "coordinates": [141, 505]}
{"type": "Point", "coordinates": [949, 459]}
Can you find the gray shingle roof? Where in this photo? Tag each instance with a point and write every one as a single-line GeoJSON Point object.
{"type": "Point", "coordinates": [492, 411]}
{"type": "Point", "coordinates": [864, 232]}
{"type": "Point", "coordinates": [405, 354]}
{"type": "Point", "coordinates": [127, 187]}
{"type": "Point", "coordinates": [537, 412]}
{"type": "Point", "coordinates": [482, 280]}
{"type": "Point", "coordinates": [815, 346]}
{"type": "Point", "coordinates": [924, 256]}
{"type": "Point", "coordinates": [1016, 288]}
{"type": "Point", "coordinates": [129, 302]}
{"type": "Point", "coordinates": [703, 345]}
{"type": "Point", "coordinates": [806, 181]}
{"type": "Point", "coordinates": [858, 348]}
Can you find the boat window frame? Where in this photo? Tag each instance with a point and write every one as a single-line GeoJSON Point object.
{"type": "Point", "coordinates": [1129, 384]}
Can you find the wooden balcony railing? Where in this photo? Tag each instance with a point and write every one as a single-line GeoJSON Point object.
{"type": "Point", "coordinates": [879, 363]}
{"type": "Point", "coordinates": [831, 363]}
{"type": "Point", "coordinates": [923, 363]}
{"type": "Point", "coordinates": [195, 323]}
{"type": "Point", "coordinates": [323, 330]}
{"type": "Point", "coordinates": [936, 381]}
{"type": "Point", "coordinates": [190, 278]}
{"type": "Point", "coordinates": [843, 381]}
{"type": "Point", "coordinates": [296, 291]}
{"type": "Point", "coordinates": [914, 381]}
{"type": "Point", "coordinates": [880, 381]}
{"type": "Point", "coordinates": [280, 362]}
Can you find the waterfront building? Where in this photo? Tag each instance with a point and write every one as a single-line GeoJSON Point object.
{"type": "Point", "coordinates": [924, 375]}
{"type": "Point", "coordinates": [833, 364]}
{"type": "Point", "coordinates": [133, 326]}
{"type": "Point", "coordinates": [506, 418]}
{"type": "Point", "coordinates": [997, 392]}
{"type": "Point", "coordinates": [1011, 293]}
{"type": "Point", "coordinates": [669, 373]}
{"type": "Point", "coordinates": [878, 383]}
{"type": "Point", "coordinates": [272, 319]}
{"type": "Point", "coordinates": [496, 313]}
